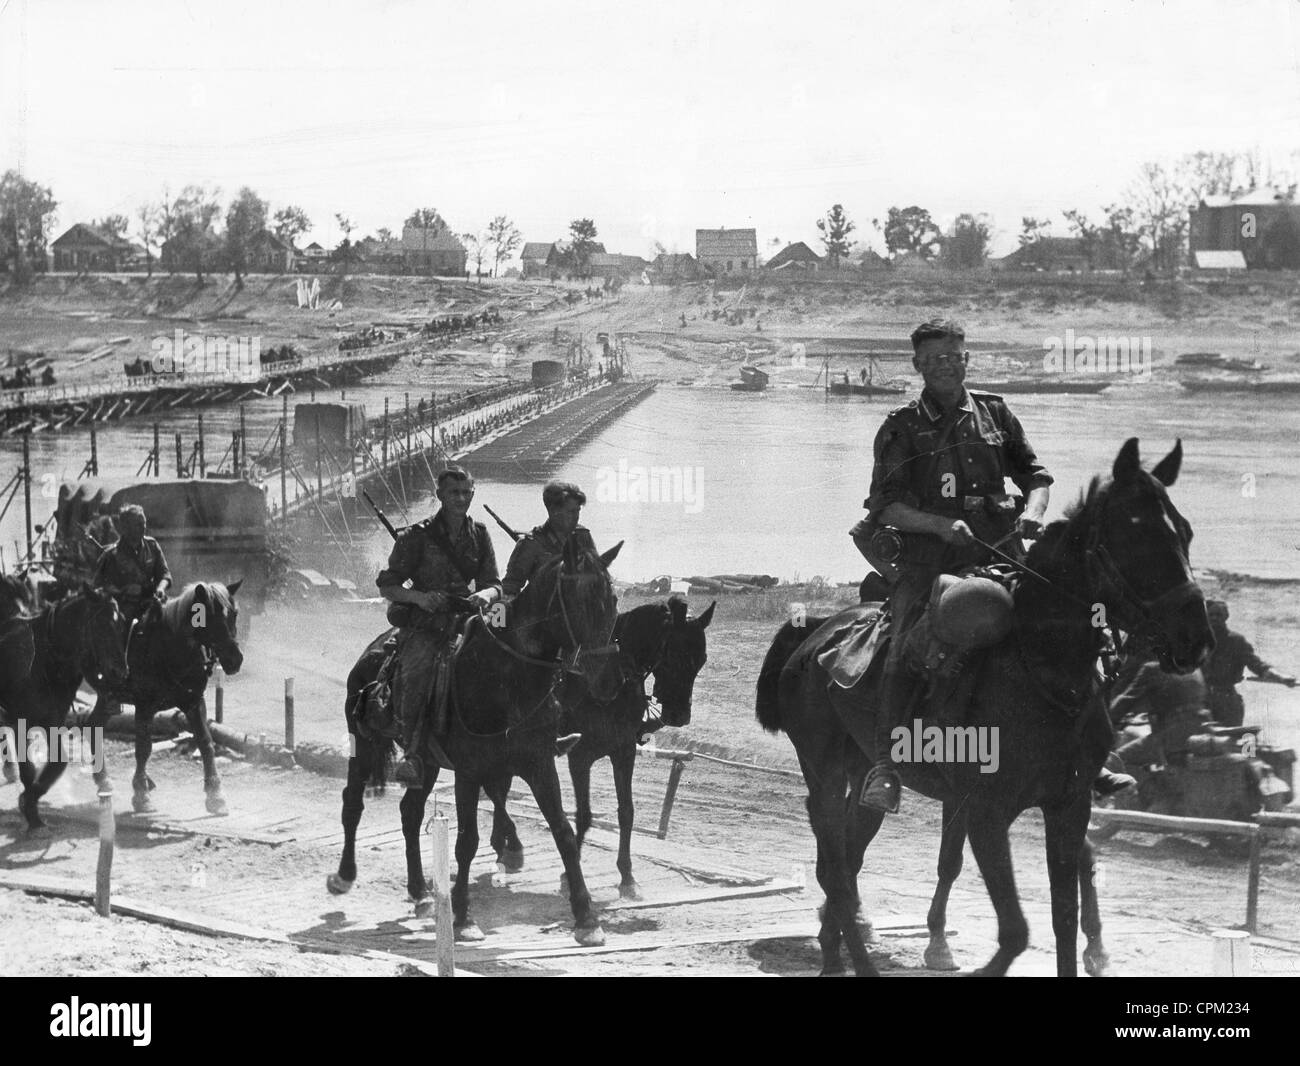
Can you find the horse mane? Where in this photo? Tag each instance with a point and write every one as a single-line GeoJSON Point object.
{"type": "Point", "coordinates": [1066, 530]}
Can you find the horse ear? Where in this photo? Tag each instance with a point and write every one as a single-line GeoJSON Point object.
{"type": "Point", "coordinates": [1166, 471]}
{"type": "Point", "coordinates": [707, 616]}
{"type": "Point", "coordinates": [609, 556]}
{"type": "Point", "coordinates": [1127, 462]}
{"type": "Point", "coordinates": [201, 593]}
{"type": "Point", "coordinates": [233, 588]}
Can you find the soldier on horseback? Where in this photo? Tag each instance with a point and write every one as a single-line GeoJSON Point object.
{"type": "Point", "coordinates": [430, 561]}
{"type": "Point", "coordinates": [937, 493]}
{"type": "Point", "coordinates": [133, 570]}
{"type": "Point", "coordinates": [563, 501]}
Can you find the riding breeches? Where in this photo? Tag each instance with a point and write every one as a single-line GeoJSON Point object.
{"type": "Point", "coordinates": [1227, 706]}
{"type": "Point", "coordinates": [1167, 739]}
{"type": "Point", "coordinates": [417, 657]}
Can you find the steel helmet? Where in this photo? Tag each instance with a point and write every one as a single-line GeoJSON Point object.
{"type": "Point", "coordinates": [973, 612]}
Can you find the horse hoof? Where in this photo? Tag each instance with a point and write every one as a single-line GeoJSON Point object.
{"type": "Point", "coordinates": [511, 860]}
{"type": "Point", "coordinates": [630, 890]}
{"type": "Point", "coordinates": [337, 885]}
{"type": "Point", "coordinates": [868, 933]}
{"type": "Point", "coordinates": [564, 885]}
{"type": "Point", "coordinates": [832, 971]}
{"type": "Point", "coordinates": [590, 937]}
{"type": "Point", "coordinates": [142, 804]}
{"type": "Point", "coordinates": [424, 908]}
{"type": "Point", "coordinates": [216, 804]}
{"type": "Point", "coordinates": [1096, 964]}
{"type": "Point", "coordinates": [939, 958]}
{"type": "Point", "coordinates": [469, 933]}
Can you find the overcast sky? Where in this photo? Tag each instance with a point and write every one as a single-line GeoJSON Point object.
{"type": "Point", "coordinates": [653, 117]}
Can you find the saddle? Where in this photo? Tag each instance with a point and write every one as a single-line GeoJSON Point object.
{"type": "Point", "coordinates": [963, 616]}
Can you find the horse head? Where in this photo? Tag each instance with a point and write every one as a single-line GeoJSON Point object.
{"type": "Point", "coordinates": [1136, 558]}
{"type": "Point", "coordinates": [683, 654]}
{"type": "Point", "coordinates": [99, 632]}
{"type": "Point", "coordinates": [214, 618]}
{"type": "Point", "coordinates": [571, 607]}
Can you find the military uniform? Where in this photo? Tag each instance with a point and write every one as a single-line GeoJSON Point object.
{"type": "Point", "coordinates": [417, 557]}
{"type": "Point", "coordinates": [534, 550]}
{"type": "Point", "coordinates": [949, 463]}
{"type": "Point", "coordinates": [121, 566]}
{"type": "Point", "coordinates": [1227, 665]}
{"type": "Point", "coordinates": [1175, 705]}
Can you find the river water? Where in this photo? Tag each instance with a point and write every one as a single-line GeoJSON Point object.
{"type": "Point", "coordinates": [706, 480]}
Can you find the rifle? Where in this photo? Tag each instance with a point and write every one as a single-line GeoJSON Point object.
{"type": "Point", "coordinates": [501, 522]}
{"type": "Point", "coordinates": [379, 513]}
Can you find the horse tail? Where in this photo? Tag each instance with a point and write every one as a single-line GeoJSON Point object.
{"type": "Point", "coordinates": [768, 702]}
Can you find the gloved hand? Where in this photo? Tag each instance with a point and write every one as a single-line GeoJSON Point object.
{"type": "Point", "coordinates": [484, 598]}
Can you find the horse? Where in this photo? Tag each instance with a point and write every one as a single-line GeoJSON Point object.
{"type": "Point", "coordinates": [43, 660]}
{"type": "Point", "coordinates": [169, 667]}
{"type": "Point", "coordinates": [1120, 554]}
{"type": "Point", "coordinates": [503, 720]}
{"type": "Point", "coordinates": [655, 639]}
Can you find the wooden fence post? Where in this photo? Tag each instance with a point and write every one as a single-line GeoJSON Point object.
{"type": "Point", "coordinates": [445, 937]}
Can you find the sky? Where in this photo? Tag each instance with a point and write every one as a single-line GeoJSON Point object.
{"type": "Point", "coordinates": [652, 117]}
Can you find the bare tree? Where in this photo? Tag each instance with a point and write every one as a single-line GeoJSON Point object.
{"type": "Point", "coordinates": [290, 223]}
{"type": "Point", "coordinates": [1160, 203]}
{"type": "Point", "coordinates": [505, 237]}
{"type": "Point", "coordinates": [147, 215]}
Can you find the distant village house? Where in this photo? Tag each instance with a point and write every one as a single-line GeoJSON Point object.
{"type": "Point", "coordinates": [85, 247]}
{"type": "Point", "coordinates": [1264, 226]}
{"type": "Point", "coordinates": [433, 251]}
{"type": "Point", "coordinates": [726, 251]}
{"type": "Point", "coordinates": [797, 256]}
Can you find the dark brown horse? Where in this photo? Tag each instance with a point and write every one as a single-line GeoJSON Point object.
{"type": "Point", "coordinates": [43, 661]}
{"type": "Point", "coordinates": [170, 667]}
{"type": "Point", "coordinates": [655, 640]}
{"type": "Point", "coordinates": [503, 721]}
{"type": "Point", "coordinates": [1120, 556]}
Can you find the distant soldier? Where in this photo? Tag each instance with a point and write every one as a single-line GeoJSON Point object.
{"type": "Point", "coordinates": [1175, 706]}
{"type": "Point", "coordinates": [440, 556]}
{"type": "Point", "coordinates": [133, 570]}
{"type": "Point", "coordinates": [1227, 665]}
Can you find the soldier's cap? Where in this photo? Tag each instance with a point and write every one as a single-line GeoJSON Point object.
{"type": "Point", "coordinates": [131, 510]}
{"type": "Point", "coordinates": [1216, 607]}
{"type": "Point", "coordinates": [556, 493]}
{"type": "Point", "coordinates": [937, 329]}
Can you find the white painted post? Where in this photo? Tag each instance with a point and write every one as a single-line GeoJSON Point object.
{"type": "Point", "coordinates": [104, 870]}
{"type": "Point", "coordinates": [442, 896]}
{"type": "Point", "coordinates": [1231, 953]}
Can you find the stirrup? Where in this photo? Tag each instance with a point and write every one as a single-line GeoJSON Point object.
{"type": "Point", "coordinates": [881, 789]}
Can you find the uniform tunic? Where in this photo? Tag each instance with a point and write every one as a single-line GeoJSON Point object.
{"type": "Point", "coordinates": [982, 442]}
{"type": "Point", "coordinates": [534, 550]}
{"type": "Point", "coordinates": [418, 558]}
{"type": "Point", "coordinates": [1227, 665]}
{"type": "Point", "coordinates": [120, 566]}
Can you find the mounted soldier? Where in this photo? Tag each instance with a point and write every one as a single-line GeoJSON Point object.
{"type": "Point", "coordinates": [1233, 654]}
{"type": "Point", "coordinates": [563, 501]}
{"type": "Point", "coordinates": [449, 554]}
{"type": "Point", "coordinates": [937, 504]}
{"type": "Point", "coordinates": [134, 570]}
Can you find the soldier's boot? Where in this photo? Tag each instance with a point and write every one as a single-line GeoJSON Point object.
{"type": "Point", "coordinates": [409, 771]}
{"type": "Point", "coordinates": [883, 787]}
{"type": "Point", "coordinates": [1108, 782]}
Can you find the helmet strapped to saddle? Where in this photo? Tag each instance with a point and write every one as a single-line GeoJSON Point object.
{"type": "Point", "coordinates": [970, 612]}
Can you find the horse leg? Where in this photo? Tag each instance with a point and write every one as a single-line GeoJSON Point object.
{"type": "Point", "coordinates": [1066, 828]}
{"type": "Point", "coordinates": [545, 782]}
{"type": "Point", "coordinates": [142, 784]}
{"type": "Point", "coordinates": [505, 836]}
{"type": "Point", "coordinates": [826, 811]}
{"type": "Point", "coordinates": [354, 802]}
{"type": "Point", "coordinates": [580, 772]}
{"type": "Point", "coordinates": [623, 759]}
{"type": "Point", "coordinates": [412, 808]}
{"type": "Point", "coordinates": [938, 956]}
{"type": "Point", "coordinates": [1096, 962]}
{"type": "Point", "coordinates": [863, 824]}
{"type": "Point", "coordinates": [466, 847]}
{"type": "Point", "coordinates": [197, 715]}
{"type": "Point", "coordinates": [992, 848]}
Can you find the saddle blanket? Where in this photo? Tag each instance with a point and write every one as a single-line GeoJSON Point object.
{"type": "Point", "coordinates": [861, 633]}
